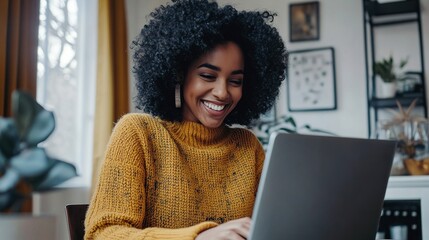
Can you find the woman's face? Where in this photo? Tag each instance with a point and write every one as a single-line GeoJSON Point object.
{"type": "Point", "coordinates": [213, 85]}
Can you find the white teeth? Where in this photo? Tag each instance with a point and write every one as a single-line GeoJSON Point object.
{"type": "Point", "coordinates": [214, 106]}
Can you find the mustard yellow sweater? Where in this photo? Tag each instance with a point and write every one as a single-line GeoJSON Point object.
{"type": "Point", "coordinates": [165, 180]}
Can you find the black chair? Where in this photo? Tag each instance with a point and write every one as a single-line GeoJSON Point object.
{"type": "Point", "coordinates": [76, 217]}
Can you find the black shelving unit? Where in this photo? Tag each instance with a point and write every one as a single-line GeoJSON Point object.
{"type": "Point", "coordinates": [403, 213]}
{"type": "Point", "coordinates": [377, 15]}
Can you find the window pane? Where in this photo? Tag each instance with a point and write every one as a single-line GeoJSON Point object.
{"type": "Point", "coordinates": [61, 69]}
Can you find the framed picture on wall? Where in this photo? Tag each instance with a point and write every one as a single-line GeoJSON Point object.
{"type": "Point", "coordinates": [304, 21]}
{"type": "Point", "coordinates": [311, 80]}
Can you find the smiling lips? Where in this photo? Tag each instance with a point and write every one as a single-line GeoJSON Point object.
{"type": "Point", "coordinates": [213, 106]}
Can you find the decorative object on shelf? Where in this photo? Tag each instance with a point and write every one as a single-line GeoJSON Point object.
{"type": "Point", "coordinates": [385, 89]}
{"type": "Point", "coordinates": [263, 129]}
{"type": "Point", "coordinates": [389, 76]}
{"type": "Point", "coordinates": [411, 84]}
{"type": "Point", "coordinates": [304, 21]}
{"type": "Point", "coordinates": [22, 161]}
{"type": "Point", "coordinates": [387, 70]}
{"type": "Point", "coordinates": [412, 134]}
{"type": "Point", "coordinates": [417, 167]}
{"type": "Point", "coordinates": [311, 80]}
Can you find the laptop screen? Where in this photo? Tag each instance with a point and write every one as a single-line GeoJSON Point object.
{"type": "Point", "coordinates": [319, 187]}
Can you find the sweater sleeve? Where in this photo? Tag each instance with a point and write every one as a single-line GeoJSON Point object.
{"type": "Point", "coordinates": [260, 158]}
{"type": "Point", "coordinates": [117, 208]}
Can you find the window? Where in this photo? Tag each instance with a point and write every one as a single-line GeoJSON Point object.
{"type": "Point", "coordinates": [66, 79]}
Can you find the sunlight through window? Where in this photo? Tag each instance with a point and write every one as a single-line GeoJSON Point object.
{"type": "Point", "coordinates": [66, 78]}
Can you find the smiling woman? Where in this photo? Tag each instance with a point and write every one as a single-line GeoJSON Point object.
{"type": "Point", "coordinates": [213, 85]}
{"type": "Point", "coordinates": [180, 171]}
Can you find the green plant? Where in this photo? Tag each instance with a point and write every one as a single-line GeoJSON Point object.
{"type": "Point", "coordinates": [387, 70]}
{"type": "Point", "coordinates": [21, 160]}
{"type": "Point", "coordinates": [263, 129]}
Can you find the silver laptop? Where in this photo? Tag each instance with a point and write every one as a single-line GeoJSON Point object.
{"type": "Point", "coordinates": [319, 187]}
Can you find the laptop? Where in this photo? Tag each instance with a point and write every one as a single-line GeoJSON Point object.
{"type": "Point", "coordinates": [321, 187]}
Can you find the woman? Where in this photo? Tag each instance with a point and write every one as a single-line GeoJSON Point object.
{"type": "Point", "coordinates": [183, 172]}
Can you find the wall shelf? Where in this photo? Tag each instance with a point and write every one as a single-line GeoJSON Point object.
{"type": "Point", "coordinates": [375, 8]}
{"type": "Point", "coordinates": [404, 100]}
{"type": "Point", "coordinates": [409, 181]}
{"type": "Point", "coordinates": [377, 15]}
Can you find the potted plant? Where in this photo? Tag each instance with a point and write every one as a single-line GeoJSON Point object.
{"type": "Point", "coordinates": [263, 129]}
{"type": "Point", "coordinates": [411, 133]}
{"type": "Point", "coordinates": [22, 160]}
{"type": "Point", "coordinates": [389, 75]}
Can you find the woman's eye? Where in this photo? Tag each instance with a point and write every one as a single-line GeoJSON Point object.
{"type": "Point", "coordinates": [236, 82]}
{"type": "Point", "coordinates": [207, 76]}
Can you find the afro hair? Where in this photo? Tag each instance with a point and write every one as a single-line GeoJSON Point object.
{"type": "Point", "coordinates": [181, 32]}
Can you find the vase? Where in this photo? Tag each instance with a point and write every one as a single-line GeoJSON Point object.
{"type": "Point", "coordinates": [385, 89]}
{"type": "Point", "coordinates": [412, 150]}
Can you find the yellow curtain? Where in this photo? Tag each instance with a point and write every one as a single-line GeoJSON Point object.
{"type": "Point", "coordinates": [112, 99]}
{"type": "Point", "coordinates": [19, 27]}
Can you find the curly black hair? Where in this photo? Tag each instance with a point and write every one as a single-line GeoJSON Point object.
{"type": "Point", "coordinates": [181, 32]}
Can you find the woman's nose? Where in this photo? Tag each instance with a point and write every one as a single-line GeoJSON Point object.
{"type": "Point", "coordinates": [220, 90]}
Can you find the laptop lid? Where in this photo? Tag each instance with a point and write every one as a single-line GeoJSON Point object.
{"type": "Point", "coordinates": [319, 187]}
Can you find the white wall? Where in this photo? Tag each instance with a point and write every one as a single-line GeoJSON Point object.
{"type": "Point", "coordinates": [341, 24]}
{"type": "Point", "coordinates": [137, 15]}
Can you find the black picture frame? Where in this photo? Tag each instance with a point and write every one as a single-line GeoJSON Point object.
{"type": "Point", "coordinates": [304, 21]}
{"type": "Point", "coordinates": [311, 82]}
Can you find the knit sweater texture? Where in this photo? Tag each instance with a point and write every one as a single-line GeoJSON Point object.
{"type": "Point", "coordinates": [173, 180]}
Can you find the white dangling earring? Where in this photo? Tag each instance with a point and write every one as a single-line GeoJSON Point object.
{"type": "Point", "coordinates": [177, 98]}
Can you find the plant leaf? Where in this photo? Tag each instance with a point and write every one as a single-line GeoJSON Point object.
{"type": "Point", "coordinates": [9, 180]}
{"type": "Point", "coordinates": [24, 109]}
{"type": "Point", "coordinates": [11, 201]}
{"type": "Point", "coordinates": [306, 126]}
{"type": "Point", "coordinates": [43, 125]}
{"type": "Point", "coordinates": [411, 107]}
{"type": "Point", "coordinates": [286, 130]}
{"type": "Point", "coordinates": [9, 139]}
{"type": "Point", "coordinates": [31, 162]}
{"type": "Point", "coordinates": [6, 200]}
{"type": "Point", "coordinates": [2, 162]}
{"type": "Point", "coordinates": [403, 63]}
{"type": "Point", "coordinates": [60, 172]}
{"type": "Point", "coordinates": [291, 121]}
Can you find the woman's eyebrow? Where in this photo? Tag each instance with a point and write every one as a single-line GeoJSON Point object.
{"type": "Point", "coordinates": [215, 68]}
{"type": "Point", "coordinates": [237, 72]}
{"type": "Point", "coordinates": [207, 65]}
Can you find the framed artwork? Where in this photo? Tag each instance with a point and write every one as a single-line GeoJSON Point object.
{"type": "Point", "coordinates": [311, 80]}
{"type": "Point", "coordinates": [304, 21]}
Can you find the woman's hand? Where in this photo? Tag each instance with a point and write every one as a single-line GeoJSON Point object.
{"type": "Point", "coordinates": [233, 230]}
